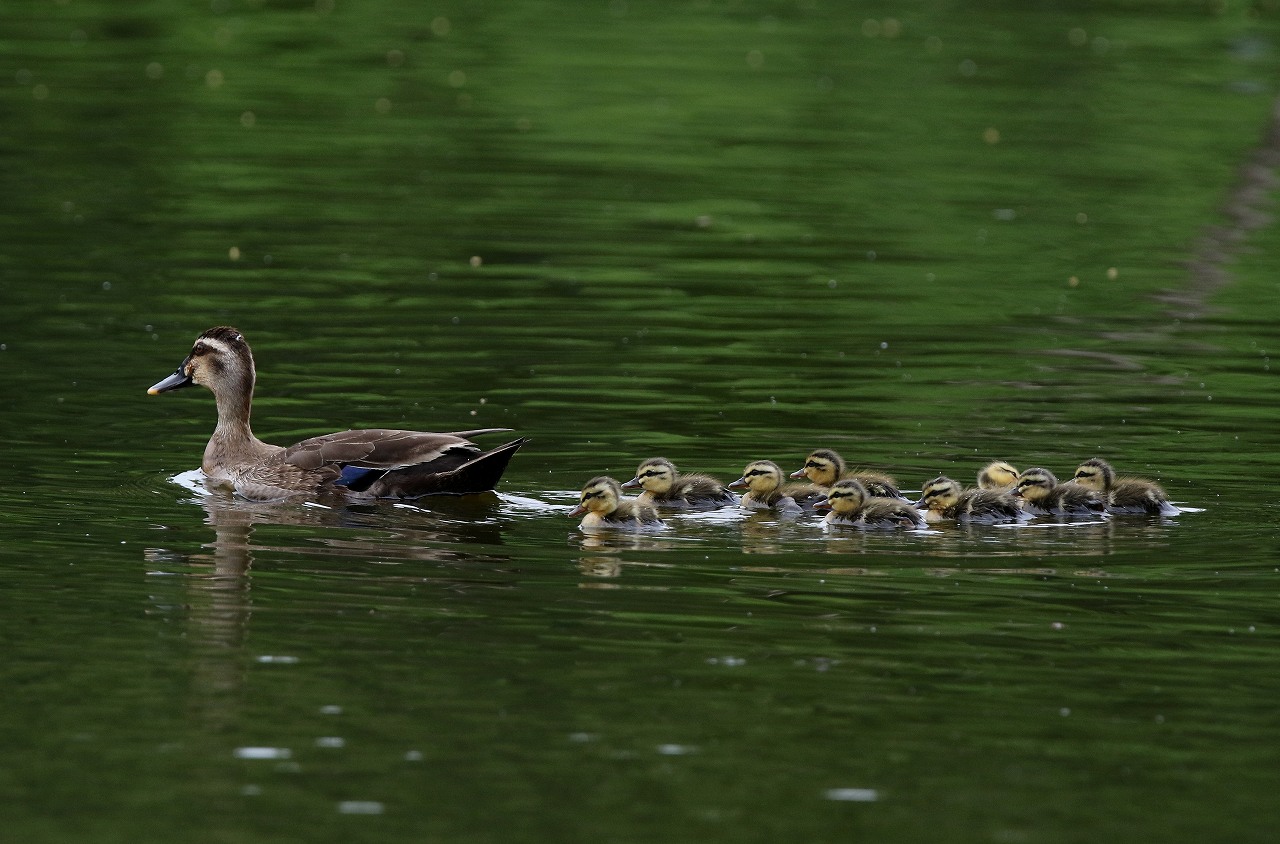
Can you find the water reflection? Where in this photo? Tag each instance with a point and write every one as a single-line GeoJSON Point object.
{"type": "Point", "coordinates": [458, 535]}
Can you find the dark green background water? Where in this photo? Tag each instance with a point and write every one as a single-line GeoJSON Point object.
{"type": "Point", "coordinates": [927, 235]}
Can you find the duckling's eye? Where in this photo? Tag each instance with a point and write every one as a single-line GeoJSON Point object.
{"type": "Point", "coordinates": [652, 473]}
{"type": "Point", "coordinates": [755, 472]}
{"type": "Point", "coordinates": [595, 494]}
{"type": "Point", "coordinates": [200, 349]}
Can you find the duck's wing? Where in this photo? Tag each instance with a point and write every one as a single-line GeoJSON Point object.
{"type": "Point", "coordinates": [381, 448]}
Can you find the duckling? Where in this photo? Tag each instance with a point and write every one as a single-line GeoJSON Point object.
{"type": "Point", "coordinates": [850, 505]}
{"type": "Point", "coordinates": [998, 475]}
{"type": "Point", "coordinates": [1128, 496]}
{"type": "Point", "coordinates": [942, 498]}
{"type": "Point", "coordinates": [765, 490]}
{"type": "Point", "coordinates": [602, 506]}
{"type": "Point", "coordinates": [1041, 494]}
{"type": "Point", "coordinates": [373, 463]}
{"type": "Point", "coordinates": [824, 467]}
{"type": "Point", "coordinates": [664, 486]}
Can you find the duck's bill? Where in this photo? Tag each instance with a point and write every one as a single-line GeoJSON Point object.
{"type": "Point", "coordinates": [740, 483]}
{"type": "Point", "coordinates": [631, 484]}
{"type": "Point", "coordinates": [799, 473]}
{"type": "Point", "coordinates": [920, 505]}
{"type": "Point", "coordinates": [176, 381]}
{"type": "Point", "coordinates": [822, 506]}
{"type": "Point", "coordinates": [577, 511]}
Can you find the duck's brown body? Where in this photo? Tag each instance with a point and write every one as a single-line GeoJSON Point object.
{"type": "Point", "coordinates": [369, 463]}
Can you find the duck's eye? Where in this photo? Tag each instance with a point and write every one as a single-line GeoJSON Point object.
{"type": "Point", "coordinates": [652, 473]}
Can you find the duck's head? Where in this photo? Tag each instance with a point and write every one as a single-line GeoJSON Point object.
{"type": "Point", "coordinates": [656, 475]}
{"type": "Point", "coordinates": [219, 360]}
{"type": "Point", "coordinates": [600, 495]}
{"type": "Point", "coordinates": [1095, 474]}
{"type": "Point", "coordinates": [1035, 484]}
{"type": "Point", "coordinates": [761, 477]}
{"type": "Point", "coordinates": [997, 475]}
{"type": "Point", "coordinates": [939, 494]}
{"type": "Point", "coordinates": [844, 497]}
{"type": "Point", "coordinates": [824, 467]}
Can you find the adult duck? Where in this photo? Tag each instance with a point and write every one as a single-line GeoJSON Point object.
{"type": "Point", "coordinates": [370, 463]}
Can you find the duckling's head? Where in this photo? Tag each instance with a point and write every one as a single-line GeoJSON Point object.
{"type": "Point", "coordinates": [600, 495]}
{"type": "Point", "coordinates": [939, 494]}
{"type": "Point", "coordinates": [219, 360]}
{"type": "Point", "coordinates": [1095, 474]}
{"type": "Point", "coordinates": [1035, 484]}
{"type": "Point", "coordinates": [824, 467]}
{"type": "Point", "coordinates": [656, 475]}
{"type": "Point", "coordinates": [761, 477]}
{"type": "Point", "coordinates": [846, 496]}
{"type": "Point", "coordinates": [997, 475]}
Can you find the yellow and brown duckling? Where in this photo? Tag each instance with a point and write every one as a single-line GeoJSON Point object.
{"type": "Point", "coordinates": [763, 480]}
{"type": "Point", "coordinates": [361, 464]}
{"type": "Point", "coordinates": [602, 505]}
{"type": "Point", "coordinates": [1042, 495]}
{"type": "Point", "coordinates": [998, 475]}
{"type": "Point", "coordinates": [824, 467]}
{"type": "Point", "coordinates": [1127, 496]}
{"type": "Point", "coordinates": [944, 499]}
{"type": "Point", "coordinates": [851, 505]}
{"type": "Point", "coordinates": [664, 486]}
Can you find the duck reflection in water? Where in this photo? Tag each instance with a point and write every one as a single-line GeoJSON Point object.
{"type": "Point", "coordinates": [216, 603]}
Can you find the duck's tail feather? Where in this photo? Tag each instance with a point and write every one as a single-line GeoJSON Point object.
{"type": "Point", "coordinates": [479, 474]}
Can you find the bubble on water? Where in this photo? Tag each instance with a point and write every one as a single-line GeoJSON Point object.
{"type": "Point", "coordinates": [263, 753]}
{"type": "Point", "coordinates": [852, 795]}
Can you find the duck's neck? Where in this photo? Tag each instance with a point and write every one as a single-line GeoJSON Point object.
{"type": "Point", "coordinates": [233, 441]}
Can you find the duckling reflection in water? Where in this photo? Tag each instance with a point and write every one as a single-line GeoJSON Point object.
{"type": "Point", "coordinates": [664, 486]}
{"type": "Point", "coordinates": [1041, 494]}
{"type": "Point", "coordinates": [602, 506]}
{"type": "Point", "coordinates": [1127, 496]}
{"type": "Point", "coordinates": [765, 490]}
{"type": "Point", "coordinates": [824, 467]}
{"type": "Point", "coordinates": [998, 475]}
{"type": "Point", "coordinates": [944, 499]}
{"type": "Point", "coordinates": [362, 464]}
{"type": "Point", "coordinates": [850, 505]}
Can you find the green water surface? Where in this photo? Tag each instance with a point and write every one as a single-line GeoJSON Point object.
{"type": "Point", "coordinates": [927, 235]}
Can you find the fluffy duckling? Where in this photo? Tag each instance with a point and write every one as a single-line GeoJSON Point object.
{"type": "Point", "coordinates": [765, 490]}
{"type": "Point", "coordinates": [1128, 496]}
{"type": "Point", "coordinates": [1041, 494]}
{"type": "Point", "coordinates": [851, 505]}
{"type": "Point", "coordinates": [998, 475]}
{"type": "Point", "coordinates": [943, 498]}
{"type": "Point", "coordinates": [664, 486]}
{"type": "Point", "coordinates": [602, 506]}
{"type": "Point", "coordinates": [824, 467]}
